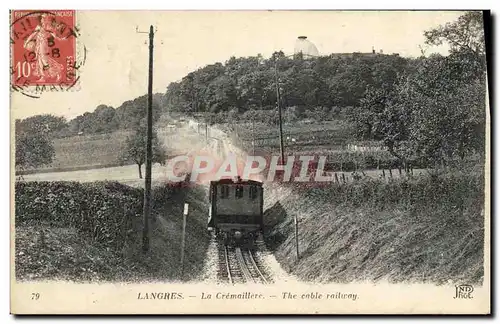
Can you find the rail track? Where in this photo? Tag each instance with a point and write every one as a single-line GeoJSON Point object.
{"type": "Point", "coordinates": [238, 265]}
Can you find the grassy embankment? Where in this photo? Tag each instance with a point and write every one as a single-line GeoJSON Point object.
{"type": "Point", "coordinates": [425, 229]}
{"type": "Point", "coordinates": [93, 232]}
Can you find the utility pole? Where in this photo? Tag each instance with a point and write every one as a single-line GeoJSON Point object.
{"type": "Point", "coordinates": [278, 95]}
{"type": "Point", "coordinates": [282, 150]}
{"type": "Point", "coordinates": [253, 136]}
{"type": "Point", "coordinates": [149, 148]}
{"type": "Point", "coordinates": [278, 103]}
{"type": "Point", "coordinates": [296, 223]}
{"type": "Point", "coordinates": [206, 131]}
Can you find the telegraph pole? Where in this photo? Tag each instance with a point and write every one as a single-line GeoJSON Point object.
{"type": "Point", "coordinates": [149, 148]}
{"type": "Point", "coordinates": [253, 136]}
{"type": "Point", "coordinates": [282, 151]}
{"type": "Point", "coordinates": [278, 103]}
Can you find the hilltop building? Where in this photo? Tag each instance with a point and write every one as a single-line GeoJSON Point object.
{"type": "Point", "coordinates": [305, 47]}
{"type": "Point", "coordinates": [355, 54]}
{"type": "Point", "coordinates": [308, 50]}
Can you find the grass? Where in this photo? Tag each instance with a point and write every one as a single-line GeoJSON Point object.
{"type": "Point", "coordinates": [426, 229]}
{"type": "Point", "coordinates": [87, 151]}
{"type": "Point", "coordinates": [61, 253]}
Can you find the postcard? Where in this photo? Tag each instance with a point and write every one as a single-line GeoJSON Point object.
{"type": "Point", "coordinates": [249, 162]}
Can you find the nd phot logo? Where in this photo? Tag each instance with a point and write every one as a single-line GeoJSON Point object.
{"type": "Point", "coordinates": [463, 292]}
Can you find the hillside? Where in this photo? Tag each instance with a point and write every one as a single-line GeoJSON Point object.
{"type": "Point", "coordinates": [426, 229]}
{"type": "Point", "coordinates": [248, 83]}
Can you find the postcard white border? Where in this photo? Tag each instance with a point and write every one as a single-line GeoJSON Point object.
{"type": "Point", "coordinates": [216, 5]}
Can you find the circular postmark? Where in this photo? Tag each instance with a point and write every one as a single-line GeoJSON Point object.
{"type": "Point", "coordinates": [45, 52]}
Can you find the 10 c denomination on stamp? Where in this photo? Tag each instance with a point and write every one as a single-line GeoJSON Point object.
{"type": "Point", "coordinates": [43, 49]}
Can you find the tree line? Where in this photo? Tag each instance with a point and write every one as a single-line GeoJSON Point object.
{"type": "Point", "coordinates": [245, 84]}
{"type": "Point", "coordinates": [104, 119]}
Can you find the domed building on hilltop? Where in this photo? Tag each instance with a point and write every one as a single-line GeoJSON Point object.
{"type": "Point", "coordinates": [304, 46]}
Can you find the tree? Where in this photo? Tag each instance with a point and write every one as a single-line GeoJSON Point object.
{"type": "Point", "coordinates": [136, 148]}
{"type": "Point", "coordinates": [129, 114]}
{"type": "Point", "coordinates": [46, 123]}
{"type": "Point", "coordinates": [461, 77]}
{"type": "Point", "coordinates": [434, 114]}
{"type": "Point", "coordinates": [385, 116]}
{"type": "Point", "coordinates": [103, 120]}
{"type": "Point", "coordinates": [254, 87]}
{"type": "Point", "coordinates": [436, 111]}
{"type": "Point", "coordinates": [448, 116]}
{"type": "Point", "coordinates": [33, 143]}
{"type": "Point", "coordinates": [466, 34]}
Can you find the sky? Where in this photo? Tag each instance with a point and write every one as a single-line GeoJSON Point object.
{"type": "Point", "coordinates": [116, 66]}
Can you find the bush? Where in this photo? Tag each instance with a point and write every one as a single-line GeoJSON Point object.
{"type": "Point", "coordinates": [106, 212]}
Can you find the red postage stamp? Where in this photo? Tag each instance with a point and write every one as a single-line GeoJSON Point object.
{"type": "Point", "coordinates": [43, 48]}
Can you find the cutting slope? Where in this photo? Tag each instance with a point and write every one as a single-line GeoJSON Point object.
{"type": "Point", "coordinates": [427, 229]}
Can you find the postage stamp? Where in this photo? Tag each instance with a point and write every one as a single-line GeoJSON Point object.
{"type": "Point", "coordinates": [43, 50]}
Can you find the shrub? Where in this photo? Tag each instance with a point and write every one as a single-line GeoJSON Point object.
{"type": "Point", "coordinates": [107, 212]}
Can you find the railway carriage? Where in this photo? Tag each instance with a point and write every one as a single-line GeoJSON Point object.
{"type": "Point", "coordinates": [236, 209]}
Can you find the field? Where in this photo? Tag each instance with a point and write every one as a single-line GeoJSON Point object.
{"type": "Point", "coordinates": [298, 137]}
{"type": "Point", "coordinates": [97, 157]}
{"type": "Point", "coordinates": [81, 157]}
{"type": "Point", "coordinates": [332, 139]}
{"type": "Point", "coordinates": [85, 152]}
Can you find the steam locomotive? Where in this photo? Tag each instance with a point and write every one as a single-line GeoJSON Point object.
{"type": "Point", "coordinates": [236, 209]}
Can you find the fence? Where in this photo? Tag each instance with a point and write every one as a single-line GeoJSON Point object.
{"type": "Point", "coordinates": [365, 148]}
{"type": "Point", "coordinates": [385, 174]}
